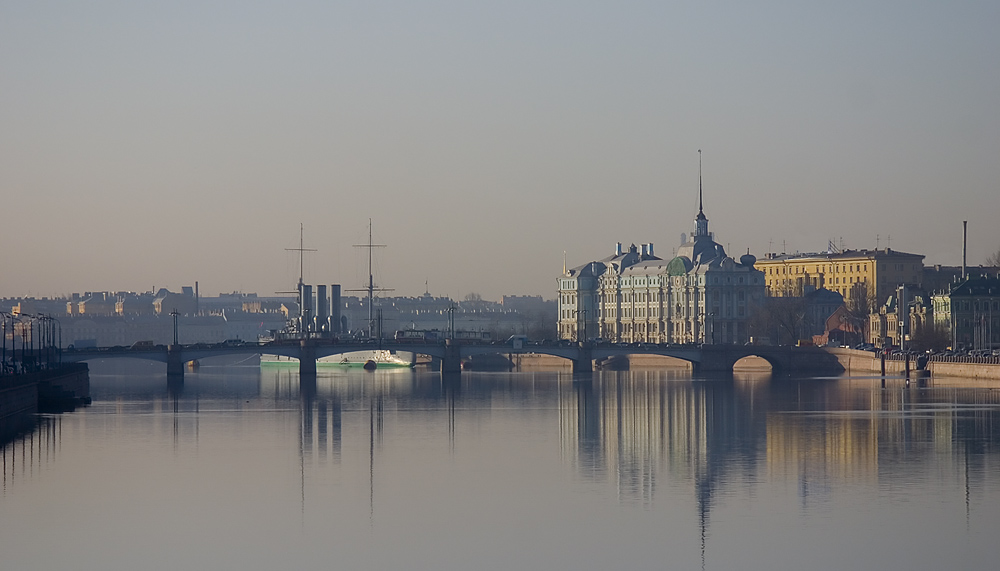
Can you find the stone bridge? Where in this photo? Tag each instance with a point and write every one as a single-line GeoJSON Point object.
{"type": "Point", "coordinates": [704, 358]}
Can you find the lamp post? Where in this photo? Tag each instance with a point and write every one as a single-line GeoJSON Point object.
{"type": "Point", "coordinates": [24, 341]}
{"type": "Point", "coordinates": [712, 324]}
{"type": "Point", "coordinates": [175, 314]}
{"type": "Point", "coordinates": [4, 364]}
{"type": "Point", "coordinates": [59, 346]}
{"type": "Point", "coordinates": [43, 341]}
{"type": "Point", "coordinates": [53, 351]}
{"type": "Point", "coordinates": [31, 339]}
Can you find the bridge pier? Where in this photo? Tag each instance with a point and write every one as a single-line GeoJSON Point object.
{"type": "Point", "coordinates": [451, 363]}
{"type": "Point", "coordinates": [175, 362]}
{"type": "Point", "coordinates": [584, 363]}
{"type": "Point", "coordinates": [307, 358]}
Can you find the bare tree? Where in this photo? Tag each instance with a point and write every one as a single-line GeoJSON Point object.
{"type": "Point", "coordinates": [860, 305]}
{"type": "Point", "coordinates": [780, 319]}
{"type": "Point", "coordinates": [993, 260]}
{"type": "Point", "coordinates": [930, 337]}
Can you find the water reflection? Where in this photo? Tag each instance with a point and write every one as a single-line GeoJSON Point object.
{"type": "Point", "coordinates": [28, 454]}
{"type": "Point", "coordinates": [631, 428]}
{"type": "Point", "coordinates": [636, 429]}
{"type": "Point", "coordinates": [415, 458]}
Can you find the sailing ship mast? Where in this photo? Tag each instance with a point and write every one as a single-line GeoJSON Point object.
{"type": "Point", "coordinates": [299, 289]}
{"type": "Point", "coordinates": [370, 288]}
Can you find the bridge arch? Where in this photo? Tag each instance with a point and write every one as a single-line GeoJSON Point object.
{"type": "Point", "coordinates": [156, 357]}
{"type": "Point", "coordinates": [753, 363]}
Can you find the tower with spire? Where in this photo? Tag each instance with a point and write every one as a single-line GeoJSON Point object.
{"type": "Point", "coordinates": [700, 221]}
{"type": "Point", "coordinates": [700, 296]}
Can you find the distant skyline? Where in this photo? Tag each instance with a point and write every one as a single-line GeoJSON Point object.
{"type": "Point", "coordinates": [154, 145]}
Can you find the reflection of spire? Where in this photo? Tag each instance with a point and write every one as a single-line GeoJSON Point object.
{"type": "Point", "coordinates": [703, 524]}
{"type": "Point", "coordinates": [704, 494]}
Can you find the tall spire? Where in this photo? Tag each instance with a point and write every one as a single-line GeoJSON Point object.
{"type": "Point", "coordinates": [700, 221]}
{"type": "Point", "coordinates": [701, 211]}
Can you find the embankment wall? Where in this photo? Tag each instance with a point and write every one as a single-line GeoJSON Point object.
{"type": "Point", "coordinates": [18, 404]}
{"type": "Point", "coordinates": [863, 362]}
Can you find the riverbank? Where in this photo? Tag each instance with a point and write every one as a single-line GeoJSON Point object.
{"type": "Point", "coordinates": [855, 362]}
{"type": "Point", "coordinates": [54, 390]}
{"type": "Point", "coordinates": [18, 405]}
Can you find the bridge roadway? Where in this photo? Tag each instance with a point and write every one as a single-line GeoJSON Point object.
{"type": "Point", "coordinates": [704, 358]}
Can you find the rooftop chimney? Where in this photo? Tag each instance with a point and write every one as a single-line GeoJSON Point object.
{"type": "Point", "coordinates": [618, 249]}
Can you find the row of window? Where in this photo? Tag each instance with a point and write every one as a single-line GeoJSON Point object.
{"type": "Point", "coordinates": [840, 268]}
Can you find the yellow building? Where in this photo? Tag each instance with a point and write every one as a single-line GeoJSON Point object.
{"type": "Point", "coordinates": [851, 273]}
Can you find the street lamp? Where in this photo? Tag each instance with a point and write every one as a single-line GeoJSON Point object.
{"type": "Point", "coordinates": [175, 314]}
{"type": "Point", "coordinates": [52, 351]}
{"type": "Point", "coordinates": [712, 317]}
{"type": "Point", "coordinates": [5, 365]}
{"type": "Point", "coordinates": [451, 322]}
{"type": "Point", "coordinates": [24, 340]}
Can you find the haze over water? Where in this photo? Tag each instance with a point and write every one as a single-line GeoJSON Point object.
{"type": "Point", "coordinates": [393, 470]}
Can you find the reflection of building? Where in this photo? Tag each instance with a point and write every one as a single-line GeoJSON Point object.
{"type": "Point", "coordinates": [631, 426]}
{"type": "Point", "coordinates": [639, 429]}
{"type": "Point", "coordinates": [842, 448]}
{"type": "Point", "coordinates": [700, 296]}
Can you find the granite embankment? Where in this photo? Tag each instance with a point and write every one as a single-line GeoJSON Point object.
{"type": "Point", "coordinates": [52, 390]}
{"type": "Point", "coordinates": [864, 362]}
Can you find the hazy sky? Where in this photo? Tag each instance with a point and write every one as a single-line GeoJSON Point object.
{"type": "Point", "coordinates": [149, 143]}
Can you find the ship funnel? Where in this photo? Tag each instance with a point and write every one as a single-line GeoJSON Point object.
{"type": "Point", "coordinates": [306, 309]}
{"type": "Point", "coordinates": [322, 308]}
{"type": "Point", "coordinates": [335, 306]}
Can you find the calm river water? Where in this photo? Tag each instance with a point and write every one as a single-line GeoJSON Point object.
{"type": "Point", "coordinates": [240, 469]}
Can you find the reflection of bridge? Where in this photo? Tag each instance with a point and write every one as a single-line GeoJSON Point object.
{"type": "Point", "coordinates": [705, 358]}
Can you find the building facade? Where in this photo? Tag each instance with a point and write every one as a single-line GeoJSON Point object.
{"type": "Point", "coordinates": [902, 319]}
{"type": "Point", "coordinates": [874, 274]}
{"type": "Point", "coordinates": [700, 296]}
{"type": "Point", "coordinates": [970, 313]}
